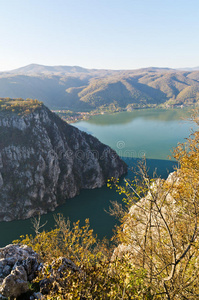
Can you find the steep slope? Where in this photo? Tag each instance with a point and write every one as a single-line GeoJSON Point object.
{"type": "Point", "coordinates": [80, 89]}
{"type": "Point", "coordinates": [122, 90]}
{"type": "Point", "coordinates": [43, 160]}
{"type": "Point", "coordinates": [178, 87]}
{"type": "Point", "coordinates": [50, 89]}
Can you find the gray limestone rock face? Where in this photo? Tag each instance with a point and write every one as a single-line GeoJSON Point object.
{"type": "Point", "coordinates": [18, 266]}
{"type": "Point", "coordinates": [44, 161]}
{"type": "Point", "coordinates": [15, 283]}
{"type": "Point", "coordinates": [135, 222]}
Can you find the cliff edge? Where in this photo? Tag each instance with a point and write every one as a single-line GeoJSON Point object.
{"type": "Point", "coordinates": [44, 160]}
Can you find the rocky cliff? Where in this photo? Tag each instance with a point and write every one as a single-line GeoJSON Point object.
{"type": "Point", "coordinates": [44, 161]}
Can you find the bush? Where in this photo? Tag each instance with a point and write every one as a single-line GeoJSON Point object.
{"type": "Point", "coordinates": [158, 244]}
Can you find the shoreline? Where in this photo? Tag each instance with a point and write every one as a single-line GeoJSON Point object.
{"type": "Point", "coordinates": [74, 117]}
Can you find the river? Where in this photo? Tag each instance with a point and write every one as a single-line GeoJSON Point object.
{"type": "Point", "coordinates": [149, 133]}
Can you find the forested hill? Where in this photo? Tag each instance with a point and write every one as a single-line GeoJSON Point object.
{"type": "Point", "coordinates": [80, 89]}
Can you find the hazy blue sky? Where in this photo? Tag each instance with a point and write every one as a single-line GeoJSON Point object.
{"type": "Point", "coordinates": [116, 34]}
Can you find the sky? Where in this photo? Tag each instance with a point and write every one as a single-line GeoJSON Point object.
{"type": "Point", "coordinates": [103, 34]}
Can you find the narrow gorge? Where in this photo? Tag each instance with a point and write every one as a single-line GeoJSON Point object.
{"type": "Point", "coordinates": [44, 160]}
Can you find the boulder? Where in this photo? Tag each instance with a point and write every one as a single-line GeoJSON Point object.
{"type": "Point", "coordinates": [15, 284]}
{"type": "Point", "coordinates": [18, 266]}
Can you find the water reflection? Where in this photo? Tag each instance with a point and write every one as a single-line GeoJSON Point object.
{"type": "Point", "coordinates": [152, 133]}
{"type": "Point", "coordinates": [147, 114]}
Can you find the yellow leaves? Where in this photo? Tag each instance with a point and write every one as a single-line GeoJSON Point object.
{"type": "Point", "coordinates": [74, 242]}
{"type": "Point", "coordinates": [99, 278]}
{"type": "Point", "coordinates": [154, 235]}
{"type": "Point", "coordinates": [19, 105]}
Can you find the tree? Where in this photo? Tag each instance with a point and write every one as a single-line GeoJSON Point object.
{"type": "Point", "coordinates": [158, 252]}
{"type": "Point", "coordinates": [159, 233]}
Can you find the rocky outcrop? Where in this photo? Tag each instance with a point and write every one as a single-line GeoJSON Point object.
{"type": "Point", "coordinates": [44, 161]}
{"type": "Point", "coordinates": [18, 266]}
{"type": "Point", "coordinates": [136, 223]}
{"type": "Point", "coordinates": [56, 272]}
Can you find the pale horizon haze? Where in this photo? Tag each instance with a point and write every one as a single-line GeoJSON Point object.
{"type": "Point", "coordinates": [103, 34]}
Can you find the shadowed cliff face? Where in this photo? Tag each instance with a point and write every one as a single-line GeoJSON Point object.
{"type": "Point", "coordinates": [44, 161]}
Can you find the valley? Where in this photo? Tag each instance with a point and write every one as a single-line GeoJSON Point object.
{"type": "Point", "coordinates": [78, 89]}
{"type": "Point", "coordinates": [131, 135]}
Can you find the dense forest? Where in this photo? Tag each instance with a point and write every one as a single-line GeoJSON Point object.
{"type": "Point", "coordinates": [80, 89]}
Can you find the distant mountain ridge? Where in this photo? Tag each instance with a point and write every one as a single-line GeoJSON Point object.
{"type": "Point", "coordinates": [80, 89]}
{"type": "Point", "coordinates": [43, 69]}
{"type": "Point", "coordinates": [36, 68]}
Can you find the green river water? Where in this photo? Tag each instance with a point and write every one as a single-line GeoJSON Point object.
{"type": "Point", "coordinates": [152, 133]}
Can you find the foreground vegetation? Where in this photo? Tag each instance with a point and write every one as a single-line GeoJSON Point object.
{"type": "Point", "coordinates": [157, 242]}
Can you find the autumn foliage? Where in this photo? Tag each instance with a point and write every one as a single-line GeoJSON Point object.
{"type": "Point", "coordinates": [157, 251]}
